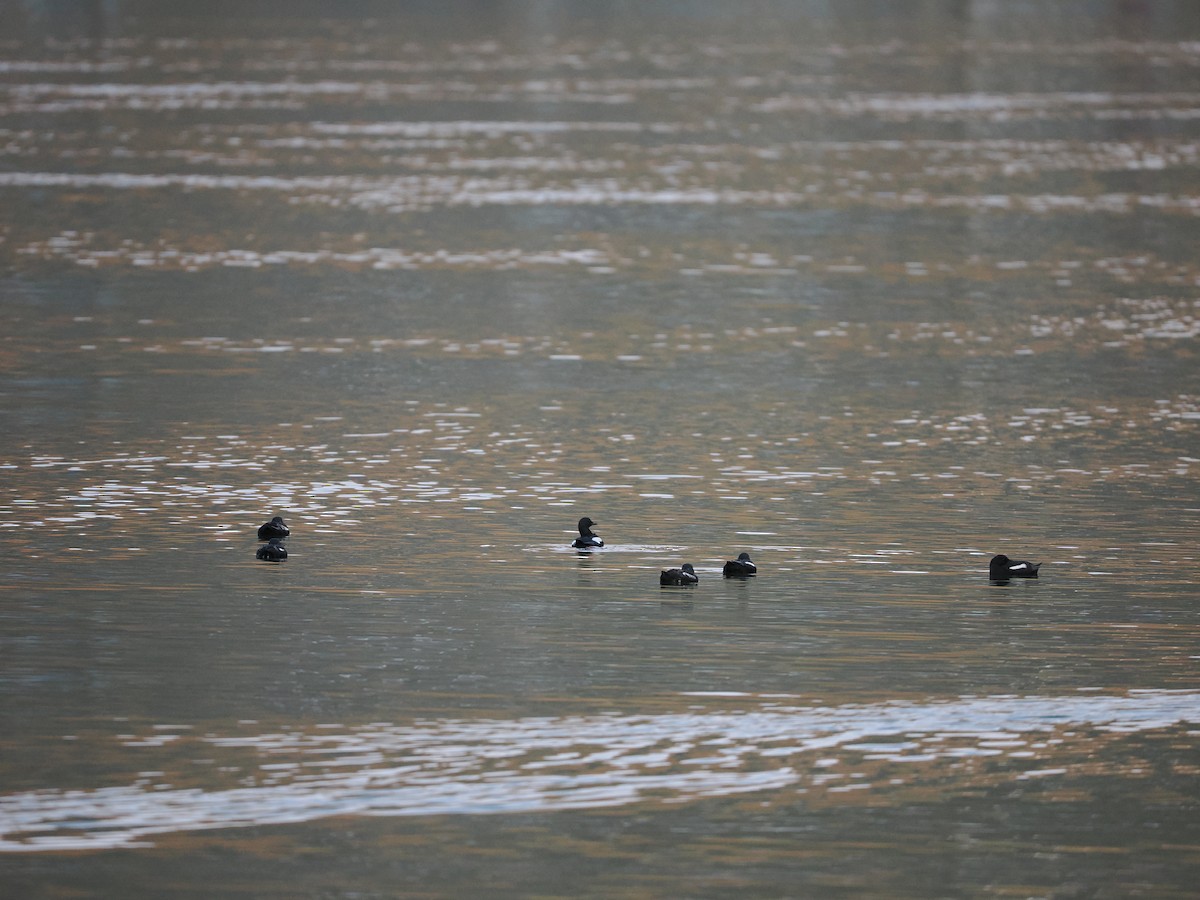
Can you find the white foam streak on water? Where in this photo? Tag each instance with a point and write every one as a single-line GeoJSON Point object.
{"type": "Point", "coordinates": [986, 105]}
{"type": "Point", "coordinates": [545, 764]}
{"type": "Point", "coordinates": [456, 128]}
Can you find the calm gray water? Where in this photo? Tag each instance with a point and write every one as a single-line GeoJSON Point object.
{"type": "Point", "coordinates": [873, 291]}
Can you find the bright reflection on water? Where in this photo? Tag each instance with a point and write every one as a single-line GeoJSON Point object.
{"type": "Point", "coordinates": [525, 765]}
{"type": "Point", "coordinates": [870, 291]}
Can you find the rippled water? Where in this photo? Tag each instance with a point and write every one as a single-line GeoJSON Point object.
{"type": "Point", "coordinates": [543, 764]}
{"type": "Point", "coordinates": [872, 295]}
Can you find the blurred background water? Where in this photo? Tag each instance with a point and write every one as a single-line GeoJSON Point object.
{"type": "Point", "coordinates": [872, 291]}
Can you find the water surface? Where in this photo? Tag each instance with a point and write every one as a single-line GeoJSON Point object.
{"type": "Point", "coordinates": [871, 295]}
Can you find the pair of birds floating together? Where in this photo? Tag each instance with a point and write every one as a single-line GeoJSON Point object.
{"type": "Point", "coordinates": [1000, 569]}
{"type": "Point", "coordinates": [273, 533]}
{"type": "Point", "coordinates": [742, 567]}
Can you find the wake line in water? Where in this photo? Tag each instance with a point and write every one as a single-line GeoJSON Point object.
{"type": "Point", "coordinates": [547, 764]}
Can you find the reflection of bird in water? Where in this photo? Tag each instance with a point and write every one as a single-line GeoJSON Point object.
{"type": "Point", "coordinates": [273, 529]}
{"type": "Point", "coordinates": [685, 575]}
{"type": "Point", "coordinates": [587, 540]}
{"type": "Point", "coordinates": [740, 567]}
{"type": "Point", "coordinates": [272, 551]}
{"type": "Point", "coordinates": [1001, 568]}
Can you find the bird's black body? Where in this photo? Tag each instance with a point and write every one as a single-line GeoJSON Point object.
{"type": "Point", "coordinates": [272, 551]}
{"type": "Point", "coordinates": [1001, 568]}
{"type": "Point", "coordinates": [678, 577]}
{"type": "Point", "coordinates": [587, 540]}
{"type": "Point", "coordinates": [742, 567]}
{"type": "Point", "coordinates": [273, 529]}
